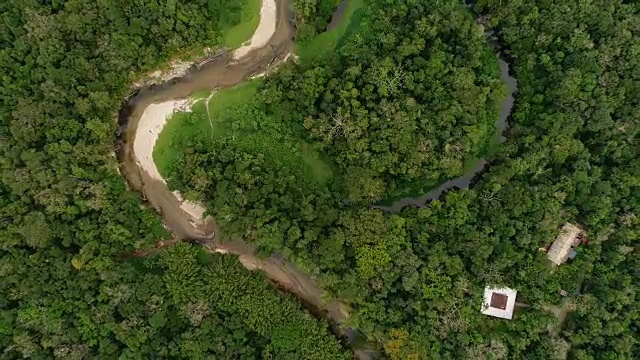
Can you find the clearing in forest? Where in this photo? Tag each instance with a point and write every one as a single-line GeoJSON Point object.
{"type": "Point", "coordinates": [189, 127]}
{"type": "Point", "coordinates": [237, 115]}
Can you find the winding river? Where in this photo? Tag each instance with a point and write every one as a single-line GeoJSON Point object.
{"type": "Point", "coordinates": [221, 72]}
{"type": "Point", "coordinates": [224, 71]}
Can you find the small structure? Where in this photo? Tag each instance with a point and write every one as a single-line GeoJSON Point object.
{"type": "Point", "coordinates": [562, 248]}
{"type": "Point", "coordinates": [499, 302]}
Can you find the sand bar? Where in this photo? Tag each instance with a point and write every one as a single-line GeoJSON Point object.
{"type": "Point", "coordinates": [264, 32]}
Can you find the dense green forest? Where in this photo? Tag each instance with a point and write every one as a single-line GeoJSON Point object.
{"type": "Point", "coordinates": [357, 126]}
{"type": "Point", "coordinates": [407, 99]}
{"type": "Point", "coordinates": [69, 288]}
{"type": "Point", "coordinates": [312, 16]}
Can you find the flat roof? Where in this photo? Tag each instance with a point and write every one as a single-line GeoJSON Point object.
{"type": "Point", "coordinates": [499, 302]}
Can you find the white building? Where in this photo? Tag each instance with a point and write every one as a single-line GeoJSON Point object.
{"type": "Point", "coordinates": [499, 302]}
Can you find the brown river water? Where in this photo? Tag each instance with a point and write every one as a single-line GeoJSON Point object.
{"type": "Point", "coordinates": [223, 72]}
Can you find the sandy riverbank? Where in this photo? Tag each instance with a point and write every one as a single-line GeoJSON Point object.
{"type": "Point", "coordinates": [150, 126]}
{"type": "Point", "coordinates": [266, 29]}
{"type": "Point", "coordinates": [156, 115]}
{"type": "Point", "coordinates": [151, 123]}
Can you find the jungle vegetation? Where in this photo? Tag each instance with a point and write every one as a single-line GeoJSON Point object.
{"type": "Point", "coordinates": [408, 100]}
{"type": "Point", "coordinates": [405, 100]}
{"type": "Point", "coordinates": [71, 287]}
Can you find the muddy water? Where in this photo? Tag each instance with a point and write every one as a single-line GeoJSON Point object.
{"type": "Point", "coordinates": [468, 177]}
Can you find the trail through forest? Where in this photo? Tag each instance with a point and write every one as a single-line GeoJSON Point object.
{"type": "Point", "coordinates": [225, 71]}
{"type": "Point", "coordinates": [206, 105]}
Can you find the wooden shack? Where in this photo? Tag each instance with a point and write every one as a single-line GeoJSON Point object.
{"type": "Point", "coordinates": [563, 247]}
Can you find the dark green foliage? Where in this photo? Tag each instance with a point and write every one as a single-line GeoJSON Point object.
{"type": "Point", "coordinates": [294, 334]}
{"type": "Point", "coordinates": [405, 100]}
{"type": "Point", "coordinates": [312, 16]}
{"type": "Point", "coordinates": [49, 308]}
{"type": "Point", "coordinates": [67, 219]}
{"type": "Point", "coordinates": [415, 279]}
{"type": "Point", "coordinates": [224, 286]}
{"type": "Point", "coordinates": [414, 93]}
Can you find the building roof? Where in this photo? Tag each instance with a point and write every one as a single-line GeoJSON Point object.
{"type": "Point", "coordinates": [499, 302]}
{"type": "Point", "coordinates": [561, 247]}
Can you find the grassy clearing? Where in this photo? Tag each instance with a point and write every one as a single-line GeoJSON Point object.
{"type": "Point", "coordinates": [230, 107]}
{"type": "Point", "coordinates": [229, 104]}
{"type": "Point", "coordinates": [184, 128]}
{"type": "Point", "coordinates": [321, 170]}
{"type": "Point", "coordinates": [291, 152]}
{"type": "Point", "coordinates": [249, 20]}
{"type": "Point", "coordinates": [328, 41]}
{"type": "Point", "coordinates": [173, 138]}
{"type": "Point", "coordinates": [233, 113]}
{"type": "Point", "coordinates": [280, 142]}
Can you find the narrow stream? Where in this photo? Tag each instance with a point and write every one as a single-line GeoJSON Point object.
{"type": "Point", "coordinates": [223, 72]}
{"type": "Point", "coordinates": [338, 15]}
{"type": "Point", "coordinates": [471, 174]}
